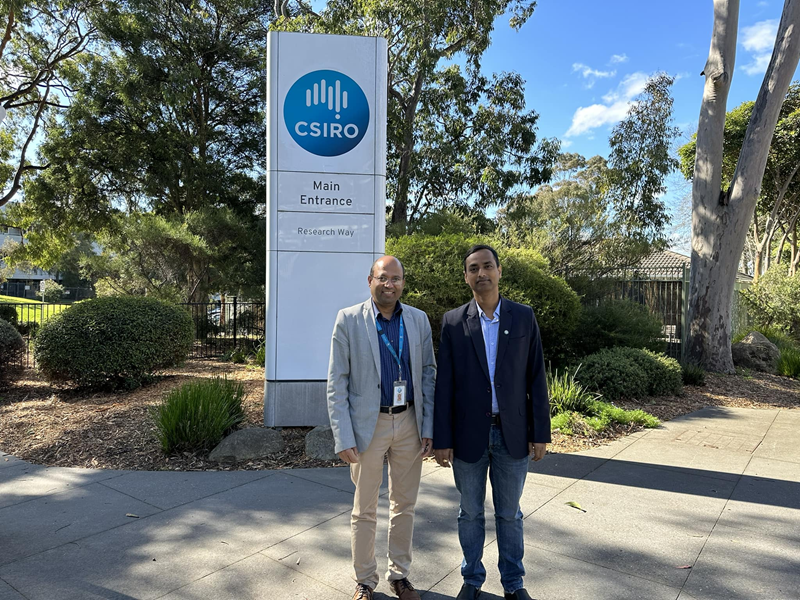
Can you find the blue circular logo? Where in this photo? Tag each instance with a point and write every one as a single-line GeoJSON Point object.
{"type": "Point", "coordinates": [326, 113]}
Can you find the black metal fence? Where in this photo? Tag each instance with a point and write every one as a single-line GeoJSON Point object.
{"type": "Point", "coordinates": [29, 291]}
{"type": "Point", "coordinates": [219, 327]}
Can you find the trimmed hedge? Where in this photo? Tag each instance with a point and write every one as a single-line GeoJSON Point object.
{"type": "Point", "coordinates": [8, 313]}
{"type": "Point", "coordinates": [116, 342]}
{"type": "Point", "coordinates": [12, 347]}
{"type": "Point", "coordinates": [615, 323]}
{"type": "Point", "coordinates": [435, 284]}
{"type": "Point", "coordinates": [630, 373]}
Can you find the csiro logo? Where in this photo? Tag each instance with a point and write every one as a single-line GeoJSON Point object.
{"type": "Point", "coordinates": [326, 113]}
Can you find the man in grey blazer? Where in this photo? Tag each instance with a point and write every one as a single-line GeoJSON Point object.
{"type": "Point", "coordinates": [381, 381]}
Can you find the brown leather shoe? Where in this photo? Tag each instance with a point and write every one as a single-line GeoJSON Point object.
{"type": "Point", "coordinates": [363, 592]}
{"type": "Point", "coordinates": [404, 589]}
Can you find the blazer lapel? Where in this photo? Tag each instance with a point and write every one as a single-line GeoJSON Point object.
{"type": "Point", "coordinates": [476, 333]}
{"type": "Point", "coordinates": [506, 321]}
{"type": "Point", "coordinates": [372, 334]}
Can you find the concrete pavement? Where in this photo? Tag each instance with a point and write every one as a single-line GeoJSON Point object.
{"type": "Point", "coordinates": [706, 507]}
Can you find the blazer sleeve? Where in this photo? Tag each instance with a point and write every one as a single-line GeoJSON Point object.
{"type": "Point", "coordinates": [338, 387]}
{"type": "Point", "coordinates": [443, 404]}
{"type": "Point", "coordinates": [428, 378]}
{"type": "Point", "coordinates": [539, 413]}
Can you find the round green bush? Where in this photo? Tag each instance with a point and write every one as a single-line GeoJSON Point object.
{"type": "Point", "coordinates": [115, 342]}
{"type": "Point", "coordinates": [435, 284]}
{"type": "Point", "coordinates": [8, 313]}
{"type": "Point", "coordinates": [12, 347]}
{"type": "Point", "coordinates": [630, 373]}
{"type": "Point", "coordinates": [614, 323]}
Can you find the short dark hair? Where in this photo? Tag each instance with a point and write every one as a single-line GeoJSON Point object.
{"type": "Point", "coordinates": [402, 268]}
{"type": "Point", "coordinates": [478, 248]}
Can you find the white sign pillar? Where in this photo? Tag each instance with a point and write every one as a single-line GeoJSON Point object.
{"type": "Point", "coordinates": [326, 205]}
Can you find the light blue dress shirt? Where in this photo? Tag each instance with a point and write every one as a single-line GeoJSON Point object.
{"type": "Point", "coordinates": [491, 330]}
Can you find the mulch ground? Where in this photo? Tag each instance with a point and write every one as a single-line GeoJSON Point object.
{"type": "Point", "coordinates": [65, 427]}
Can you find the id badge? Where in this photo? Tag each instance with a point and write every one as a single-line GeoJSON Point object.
{"type": "Point", "coordinates": [399, 394]}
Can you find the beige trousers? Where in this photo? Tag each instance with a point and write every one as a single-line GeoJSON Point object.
{"type": "Point", "coordinates": [397, 437]}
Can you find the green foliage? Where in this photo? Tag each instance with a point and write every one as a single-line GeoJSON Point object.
{"type": "Point", "coordinates": [12, 347]}
{"type": "Point", "coordinates": [630, 373]}
{"type": "Point", "coordinates": [52, 292]}
{"type": "Point", "coordinates": [261, 356]}
{"type": "Point", "coordinates": [774, 301]}
{"type": "Point", "coordinates": [113, 342]}
{"type": "Point", "coordinates": [614, 323]}
{"type": "Point", "coordinates": [789, 362]}
{"type": "Point", "coordinates": [567, 395]}
{"type": "Point", "coordinates": [8, 313]}
{"type": "Point", "coordinates": [454, 134]}
{"type": "Point", "coordinates": [196, 416]}
{"type": "Point", "coordinates": [435, 283]}
{"type": "Point", "coordinates": [601, 417]}
{"type": "Point", "coordinates": [693, 374]}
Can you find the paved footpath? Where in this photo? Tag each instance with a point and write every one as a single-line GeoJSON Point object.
{"type": "Point", "coordinates": [706, 507]}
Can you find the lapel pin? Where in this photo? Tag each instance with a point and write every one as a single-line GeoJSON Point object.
{"type": "Point", "coordinates": [506, 332]}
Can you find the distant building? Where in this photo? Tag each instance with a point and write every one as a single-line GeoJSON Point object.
{"type": "Point", "coordinates": [21, 284]}
{"type": "Point", "coordinates": [669, 265]}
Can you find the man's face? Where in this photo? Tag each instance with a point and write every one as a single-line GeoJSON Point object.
{"type": "Point", "coordinates": [386, 282]}
{"type": "Point", "coordinates": [482, 274]}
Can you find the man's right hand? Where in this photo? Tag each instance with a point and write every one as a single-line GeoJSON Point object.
{"type": "Point", "coordinates": [349, 456]}
{"type": "Point", "coordinates": [444, 456]}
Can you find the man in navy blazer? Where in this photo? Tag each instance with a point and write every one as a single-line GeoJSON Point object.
{"type": "Point", "coordinates": [491, 412]}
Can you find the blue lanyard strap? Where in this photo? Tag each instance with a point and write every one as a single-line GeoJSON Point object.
{"type": "Point", "coordinates": [389, 345]}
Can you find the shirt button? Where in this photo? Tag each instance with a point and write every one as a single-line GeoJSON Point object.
{"type": "Point", "coordinates": [379, 386]}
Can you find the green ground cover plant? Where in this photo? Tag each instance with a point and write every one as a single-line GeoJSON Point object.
{"type": "Point", "coordinates": [693, 374]}
{"type": "Point", "coordinates": [196, 416]}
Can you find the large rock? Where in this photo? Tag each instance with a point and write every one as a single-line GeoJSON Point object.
{"type": "Point", "coordinates": [320, 444]}
{"type": "Point", "coordinates": [756, 352]}
{"type": "Point", "coordinates": [248, 444]}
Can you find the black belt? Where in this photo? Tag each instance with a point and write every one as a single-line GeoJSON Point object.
{"type": "Point", "coordinates": [393, 410]}
{"type": "Point", "coordinates": [496, 419]}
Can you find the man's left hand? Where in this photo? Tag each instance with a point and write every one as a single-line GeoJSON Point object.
{"type": "Point", "coordinates": [427, 447]}
{"type": "Point", "coordinates": [537, 450]}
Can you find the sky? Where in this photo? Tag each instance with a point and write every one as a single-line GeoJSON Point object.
{"type": "Point", "coordinates": [584, 60]}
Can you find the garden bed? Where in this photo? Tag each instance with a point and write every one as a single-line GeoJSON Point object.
{"type": "Point", "coordinates": [59, 426]}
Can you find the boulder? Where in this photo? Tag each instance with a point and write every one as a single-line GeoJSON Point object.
{"type": "Point", "coordinates": [320, 444]}
{"type": "Point", "coordinates": [248, 444]}
{"type": "Point", "coordinates": [756, 352]}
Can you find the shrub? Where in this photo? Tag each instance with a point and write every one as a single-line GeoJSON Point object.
{"type": "Point", "coordinates": [8, 313]}
{"type": "Point", "coordinates": [113, 341]}
{"type": "Point", "coordinates": [12, 347]}
{"type": "Point", "coordinates": [693, 374]}
{"type": "Point", "coordinates": [615, 323]}
{"type": "Point", "coordinates": [789, 362]}
{"type": "Point", "coordinates": [630, 373]}
{"type": "Point", "coordinates": [774, 301]}
{"type": "Point", "coordinates": [567, 395]}
{"type": "Point", "coordinates": [28, 328]}
{"type": "Point", "coordinates": [261, 355]}
{"type": "Point", "coordinates": [196, 416]}
{"type": "Point", "coordinates": [435, 283]}
{"type": "Point", "coordinates": [604, 415]}
{"type": "Point", "coordinates": [52, 291]}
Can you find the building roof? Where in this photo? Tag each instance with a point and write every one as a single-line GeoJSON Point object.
{"type": "Point", "coordinates": [669, 264]}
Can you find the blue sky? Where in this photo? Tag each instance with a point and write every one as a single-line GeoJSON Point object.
{"type": "Point", "coordinates": [584, 60]}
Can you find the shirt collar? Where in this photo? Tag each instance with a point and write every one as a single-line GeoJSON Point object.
{"type": "Point", "coordinates": [398, 308]}
{"type": "Point", "coordinates": [482, 315]}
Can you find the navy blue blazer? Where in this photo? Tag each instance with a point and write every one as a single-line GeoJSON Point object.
{"type": "Point", "coordinates": [463, 399]}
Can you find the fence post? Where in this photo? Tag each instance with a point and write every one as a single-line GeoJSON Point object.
{"type": "Point", "coordinates": [234, 322]}
{"type": "Point", "coordinates": [685, 311]}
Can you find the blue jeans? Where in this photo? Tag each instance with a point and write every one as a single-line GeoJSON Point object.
{"type": "Point", "coordinates": [507, 475]}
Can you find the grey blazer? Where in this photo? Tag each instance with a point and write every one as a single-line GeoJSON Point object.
{"type": "Point", "coordinates": [354, 374]}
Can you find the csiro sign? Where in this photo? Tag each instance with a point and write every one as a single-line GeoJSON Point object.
{"type": "Point", "coordinates": [326, 113]}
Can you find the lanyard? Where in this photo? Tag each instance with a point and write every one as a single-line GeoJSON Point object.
{"type": "Point", "coordinates": [389, 345]}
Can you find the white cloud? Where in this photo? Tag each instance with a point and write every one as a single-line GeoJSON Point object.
{"type": "Point", "coordinates": [619, 58]}
{"type": "Point", "coordinates": [566, 144]}
{"type": "Point", "coordinates": [615, 108]}
{"type": "Point", "coordinates": [587, 71]}
{"type": "Point", "coordinates": [759, 39]}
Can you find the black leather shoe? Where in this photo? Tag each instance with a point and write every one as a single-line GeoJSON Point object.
{"type": "Point", "coordinates": [520, 594]}
{"type": "Point", "coordinates": [468, 592]}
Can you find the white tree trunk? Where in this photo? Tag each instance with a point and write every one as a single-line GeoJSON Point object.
{"type": "Point", "coordinates": [720, 221]}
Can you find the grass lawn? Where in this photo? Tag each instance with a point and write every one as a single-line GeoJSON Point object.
{"type": "Point", "coordinates": [32, 310]}
{"type": "Point", "coordinates": [15, 300]}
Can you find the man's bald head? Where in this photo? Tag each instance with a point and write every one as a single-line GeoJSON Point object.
{"type": "Point", "coordinates": [385, 261]}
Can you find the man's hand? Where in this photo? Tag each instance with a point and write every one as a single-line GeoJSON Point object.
{"type": "Point", "coordinates": [349, 456]}
{"type": "Point", "coordinates": [427, 447]}
{"type": "Point", "coordinates": [537, 450]}
{"type": "Point", "coordinates": [444, 456]}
